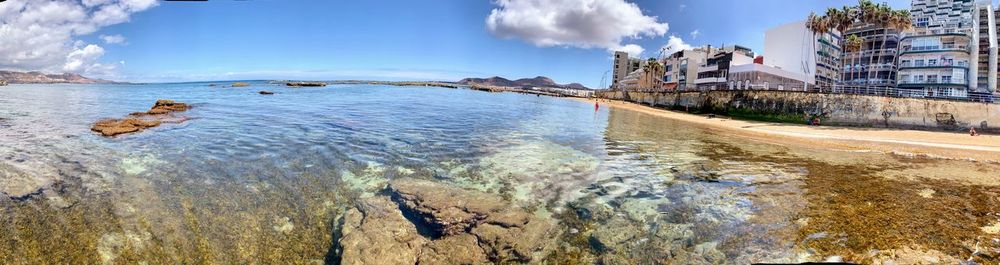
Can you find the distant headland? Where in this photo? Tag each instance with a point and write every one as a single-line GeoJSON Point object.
{"type": "Point", "coordinates": [13, 77]}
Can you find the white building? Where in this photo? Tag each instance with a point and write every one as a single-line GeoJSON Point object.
{"type": "Point", "coordinates": [794, 48]}
{"type": "Point", "coordinates": [763, 77]}
{"type": "Point", "coordinates": [935, 60]}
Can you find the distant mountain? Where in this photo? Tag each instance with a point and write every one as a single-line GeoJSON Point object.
{"type": "Point", "coordinates": [538, 81]}
{"type": "Point", "coordinates": [41, 78]}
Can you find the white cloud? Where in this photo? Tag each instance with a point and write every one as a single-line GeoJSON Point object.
{"type": "Point", "coordinates": [675, 44]}
{"type": "Point", "coordinates": [632, 50]}
{"type": "Point", "coordinates": [573, 23]}
{"type": "Point", "coordinates": [113, 39]}
{"type": "Point", "coordinates": [695, 34]}
{"type": "Point", "coordinates": [80, 58]}
{"type": "Point", "coordinates": [682, 7]}
{"type": "Point", "coordinates": [43, 35]}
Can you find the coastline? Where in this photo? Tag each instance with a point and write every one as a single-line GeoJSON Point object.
{"type": "Point", "coordinates": [982, 148]}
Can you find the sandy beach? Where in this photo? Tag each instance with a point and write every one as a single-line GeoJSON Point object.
{"type": "Point", "coordinates": [985, 148]}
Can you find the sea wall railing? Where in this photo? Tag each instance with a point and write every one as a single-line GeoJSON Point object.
{"type": "Point", "coordinates": [871, 90]}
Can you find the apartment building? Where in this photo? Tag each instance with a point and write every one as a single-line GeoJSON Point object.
{"type": "Point", "coordinates": [935, 59]}
{"type": "Point", "coordinates": [793, 47]}
{"type": "Point", "coordinates": [873, 65]}
{"type": "Point", "coordinates": [681, 68]}
{"type": "Point", "coordinates": [713, 73]}
{"type": "Point", "coordinates": [986, 62]}
{"type": "Point", "coordinates": [623, 65]}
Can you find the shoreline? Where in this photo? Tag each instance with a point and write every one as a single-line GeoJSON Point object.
{"type": "Point", "coordinates": [982, 148]}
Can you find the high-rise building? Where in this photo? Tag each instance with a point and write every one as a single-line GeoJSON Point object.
{"type": "Point", "coordinates": [681, 67]}
{"type": "Point", "coordinates": [985, 30]}
{"type": "Point", "coordinates": [623, 65]}
{"type": "Point", "coordinates": [873, 65]}
{"type": "Point", "coordinates": [793, 47]}
{"type": "Point", "coordinates": [934, 59]}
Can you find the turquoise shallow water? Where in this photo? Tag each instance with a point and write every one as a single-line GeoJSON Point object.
{"type": "Point", "coordinates": [262, 179]}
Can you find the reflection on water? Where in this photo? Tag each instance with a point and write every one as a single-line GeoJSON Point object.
{"type": "Point", "coordinates": [254, 179]}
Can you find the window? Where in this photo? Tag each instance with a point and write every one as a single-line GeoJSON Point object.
{"type": "Point", "coordinates": [748, 84]}
{"type": "Point", "coordinates": [670, 68]}
{"type": "Point", "coordinates": [732, 85]}
{"type": "Point", "coordinates": [932, 62]}
{"type": "Point", "coordinates": [781, 87]}
{"type": "Point", "coordinates": [766, 86]}
{"type": "Point", "coordinates": [919, 62]}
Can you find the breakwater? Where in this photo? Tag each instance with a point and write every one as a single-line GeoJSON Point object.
{"type": "Point", "coordinates": [833, 109]}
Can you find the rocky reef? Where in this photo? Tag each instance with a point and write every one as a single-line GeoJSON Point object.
{"type": "Point", "coordinates": [138, 121]}
{"type": "Point", "coordinates": [241, 84]}
{"type": "Point", "coordinates": [424, 222]}
{"type": "Point", "coordinates": [301, 84]}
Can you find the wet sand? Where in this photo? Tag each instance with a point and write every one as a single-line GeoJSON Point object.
{"type": "Point", "coordinates": [984, 148]}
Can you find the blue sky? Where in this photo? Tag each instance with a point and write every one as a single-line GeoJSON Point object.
{"type": "Point", "coordinates": [390, 40]}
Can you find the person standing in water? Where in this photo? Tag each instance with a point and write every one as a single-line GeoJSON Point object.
{"type": "Point", "coordinates": [597, 106]}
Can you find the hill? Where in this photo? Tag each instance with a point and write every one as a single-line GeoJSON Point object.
{"type": "Point", "coordinates": [13, 77]}
{"type": "Point", "coordinates": [538, 81]}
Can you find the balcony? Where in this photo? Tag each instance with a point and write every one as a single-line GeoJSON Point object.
{"type": "Point", "coordinates": [912, 65]}
{"type": "Point", "coordinates": [866, 68]}
{"type": "Point", "coordinates": [937, 32]}
{"type": "Point", "coordinates": [708, 68]}
{"type": "Point", "coordinates": [708, 80]}
{"type": "Point", "coordinates": [935, 48]}
{"type": "Point", "coordinates": [932, 82]}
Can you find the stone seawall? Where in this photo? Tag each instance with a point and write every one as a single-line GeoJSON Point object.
{"type": "Point", "coordinates": [834, 109]}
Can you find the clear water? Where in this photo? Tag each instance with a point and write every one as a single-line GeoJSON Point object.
{"type": "Point", "coordinates": [261, 179]}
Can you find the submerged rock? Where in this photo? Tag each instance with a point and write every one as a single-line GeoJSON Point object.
{"type": "Point", "coordinates": [300, 84]}
{"type": "Point", "coordinates": [375, 232]}
{"type": "Point", "coordinates": [448, 210]}
{"type": "Point", "coordinates": [138, 121]}
{"type": "Point", "coordinates": [465, 227]}
{"type": "Point", "coordinates": [265, 92]}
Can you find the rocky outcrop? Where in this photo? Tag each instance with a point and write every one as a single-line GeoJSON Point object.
{"type": "Point", "coordinates": [265, 92]}
{"type": "Point", "coordinates": [301, 84]}
{"type": "Point", "coordinates": [3, 82]}
{"type": "Point", "coordinates": [139, 121]}
{"type": "Point", "coordinates": [241, 84]}
{"type": "Point", "coordinates": [459, 227]}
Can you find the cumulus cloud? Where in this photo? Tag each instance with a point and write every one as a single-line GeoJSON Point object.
{"type": "Point", "coordinates": [113, 39]}
{"type": "Point", "coordinates": [574, 23]}
{"type": "Point", "coordinates": [43, 35]}
{"type": "Point", "coordinates": [675, 44]}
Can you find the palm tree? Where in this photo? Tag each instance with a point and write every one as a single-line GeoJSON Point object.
{"type": "Point", "coordinates": [901, 21]}
{"type": "Point", "coordinates": [853, 43]}
{"type": "Point", "coordinates": [882, 18]}
{"type": "Point", "coordinates": [653, 71]}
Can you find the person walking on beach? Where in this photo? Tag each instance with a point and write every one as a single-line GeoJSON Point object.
{"type": "Point", "coordinates": [973, 132]}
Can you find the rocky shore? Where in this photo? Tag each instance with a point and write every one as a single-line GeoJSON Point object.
{"type": "Point", "coordinates": [424, 222]}
{"type": "Point", "coordinates": [138, 121]}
